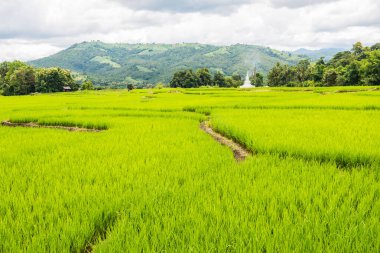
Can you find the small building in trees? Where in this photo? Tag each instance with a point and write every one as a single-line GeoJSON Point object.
{"type": "Point", "coordinates": [66, 88]}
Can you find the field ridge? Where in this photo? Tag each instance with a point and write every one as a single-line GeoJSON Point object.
{"type": "Point", "coordinates": [37, 125]}
{"type": "Point", "coordinates": [240, 153]}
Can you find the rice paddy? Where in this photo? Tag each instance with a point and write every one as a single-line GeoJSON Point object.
{"type": "Point", "coordinates": [153, 181]}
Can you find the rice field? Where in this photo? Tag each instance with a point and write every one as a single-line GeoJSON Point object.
{"type": "Point", "coordinates": [151, 180]}
{"type": "Point", "coordinates": [346, 137]}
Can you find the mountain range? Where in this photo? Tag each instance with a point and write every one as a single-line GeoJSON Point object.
{"type": "Point", "coordinates": [117, 64]}
{"type": "Point", "coordinates": [327, 53]}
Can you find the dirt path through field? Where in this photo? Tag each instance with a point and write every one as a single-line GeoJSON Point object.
{"type": "Point", "coordinates": [240, 153]}
{"type": "Point", "coordinates": [36, 125]}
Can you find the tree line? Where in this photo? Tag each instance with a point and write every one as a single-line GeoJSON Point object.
{"type": "Point", "coordinates": [18, 78]}
{"type": "Point", "coordinates": [359, 66]}
{"type": "Point", "coordinates": [203, 77]}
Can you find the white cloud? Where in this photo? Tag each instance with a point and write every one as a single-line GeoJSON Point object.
{"type": "Point", "coordinates": [222, 6]}
{"type": "Point", "coordinates": [25, 50]}
{"type": "Point", "coordinates": [35, 28]}
{"type": "Point", "coordinates": [298, 3]}
{"type": "Point", "coordinates": [344, 14]}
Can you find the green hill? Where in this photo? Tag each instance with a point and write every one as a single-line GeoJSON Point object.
{"type": "Point", "coordinates": [118, 64]}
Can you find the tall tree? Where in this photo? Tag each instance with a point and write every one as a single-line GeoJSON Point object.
{"type": "Point", "coordinates": [21, 82]}
{"type": "Point", "coordinates": [375, 47]}
{"type": "Point", "coordinates": [330, 77]}
{"type": "Point", "coordinates": [257, 79]}
{"type": "Point", "coordinates": [303, 71]}
{"type": "Point", "coordinates": [54, 79]}
{"type": "Point", "coordinates": [318, 70]}
{"type": "Point", "coordinates": [237, 80]}
{"type": "Point", "coordinates": [184, 79]}
{"type": "Point", "coordinates": [371, 68]}
{"type": "Point", "coordinates": [341, 59]}
{"type": "Point", "coordinates": [281, 75]}
{"type": "Point", "coordinates": [87, 85]}
{"type": "Point", "coordinates": [352, 74]}
{"type": "Point", "coordinates": [204, 76]}
{"type": "Point", "coordinates": [358, 50]}
{"type": "Point", "coordinates": [219, 79]}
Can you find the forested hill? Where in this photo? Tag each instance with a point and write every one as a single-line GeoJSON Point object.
{"type": "Point", "coordinates": [118, 64]}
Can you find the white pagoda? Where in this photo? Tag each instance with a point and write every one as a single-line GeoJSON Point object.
{"type": "Point", "coordinates": [247, 82]}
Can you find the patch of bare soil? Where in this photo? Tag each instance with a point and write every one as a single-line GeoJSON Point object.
{"type": "Point", "coordinates": [175, 91]}
{"type": "Point", "coordinates": [352, 91]}
{"type": "Point", "coordinates": [36, 125]}
{"type": "Point", "coordinates": [259, 90]}
{"type": "Point", "coordinates": [349, 91]}
{"type": "Point", "coordinates": [240, 153]}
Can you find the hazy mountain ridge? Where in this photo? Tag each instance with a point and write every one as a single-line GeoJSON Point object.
{"type": "Point", "coordinates": [327, 53]}
{"type": "Point", "coordinates": [120, 63]}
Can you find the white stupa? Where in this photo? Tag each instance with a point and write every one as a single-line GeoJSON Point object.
{"type": "Point", "coordinates": [247, 82]}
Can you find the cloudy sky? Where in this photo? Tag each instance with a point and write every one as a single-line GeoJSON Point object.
{"type": "Point", "coordinates": [31, 29]}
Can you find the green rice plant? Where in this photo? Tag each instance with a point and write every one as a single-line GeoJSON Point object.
{"type": "Point", "coordinates": [153, 181]}
{"type": "Point", "coordinates": [347, 137]}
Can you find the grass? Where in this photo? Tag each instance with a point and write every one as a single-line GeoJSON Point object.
{"type": "Point", "coordinates": [153, 181]}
